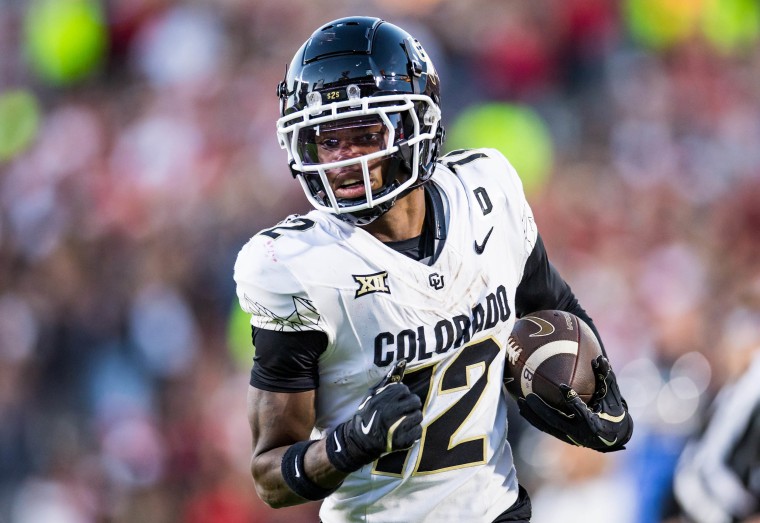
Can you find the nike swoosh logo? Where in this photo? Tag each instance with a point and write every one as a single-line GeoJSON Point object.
{"type": "Point", "coordinates": [479, 248]}
{"type": "Point", "coordinates": [298, 473]}
{"type": "Point", "coordinates": [338, 448]}
{"type": "Point", "coordinates": [365, 428]}
{"type": "Point", "coordinates": [607, 442]}
{"type": "Point", "coordinates": [544, 327]}
{"type": "Point", "coordinates": [613, 419]}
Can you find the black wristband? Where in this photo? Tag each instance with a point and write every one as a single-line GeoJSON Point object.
{"type": "Point", "coordinates": [294, 473]}
{"type": "Point", "coordinates": [342, 454]}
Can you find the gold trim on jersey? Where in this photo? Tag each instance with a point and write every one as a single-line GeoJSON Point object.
{"type": "Point", "coordinates": [447, 425]}
{"type": "Point", "coordinates": [425, 396]}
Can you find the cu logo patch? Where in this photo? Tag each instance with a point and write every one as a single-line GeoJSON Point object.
{"type": "Point", "coordinates": [371, 283]}
{"type": "Point", "coordinates": [436, 281]}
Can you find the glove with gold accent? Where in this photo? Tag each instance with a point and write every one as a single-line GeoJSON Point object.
{"type": "Point", "coordinates": [387, 419]}
{"type": "Point", "coordinates": [603, 425]}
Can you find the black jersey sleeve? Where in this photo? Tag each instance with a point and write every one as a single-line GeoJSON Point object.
{"type": "Point", "coordinates": [543, 288]}
{"type": "Point", "coordinates": [286, 361]}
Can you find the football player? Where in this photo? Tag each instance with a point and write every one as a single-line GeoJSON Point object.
{"type": "Point", "coordinates": [717, 479]}
{"type": "Point", "coordinates": [380, 319]}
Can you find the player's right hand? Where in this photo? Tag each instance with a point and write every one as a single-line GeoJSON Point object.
{"type": "Point", "coordinates": [603, 425]}
{"type": "Point", "coordinates": [388, 418]}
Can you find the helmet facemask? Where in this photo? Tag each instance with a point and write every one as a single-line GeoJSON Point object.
{"type": "Point", "coordinates": [387, 129]}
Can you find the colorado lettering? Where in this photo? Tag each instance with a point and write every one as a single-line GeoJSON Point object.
{"type": "Point", "coordinates": [447, 334]}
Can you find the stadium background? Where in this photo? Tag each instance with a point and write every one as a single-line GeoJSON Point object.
{"type": "Point", "coordinates": [138, 153]}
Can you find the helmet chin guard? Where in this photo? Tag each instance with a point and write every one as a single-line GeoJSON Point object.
{"type": "Point", "coordinates": [357, 72]}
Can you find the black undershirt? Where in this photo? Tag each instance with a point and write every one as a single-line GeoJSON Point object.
{"type": "Point", "coordinates": [289, 361]}
{"type": "Point", "coordinates": [422, 248]}
{"type": "Point", "coordinates": [286, 361]}
{"type": "Point", "coordinates": [413, 247]}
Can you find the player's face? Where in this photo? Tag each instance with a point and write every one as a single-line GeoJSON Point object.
{"type": "Point", "coordinates": [350, 142]}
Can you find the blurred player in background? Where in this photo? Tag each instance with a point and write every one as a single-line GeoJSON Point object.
{"type": "Point", "coordinates": [717, 479]}
{"type": "Point", "coordinates": [380, 319]}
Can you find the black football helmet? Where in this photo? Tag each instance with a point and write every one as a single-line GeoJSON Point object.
{"type": "Point", "coordinates": [357, 71]}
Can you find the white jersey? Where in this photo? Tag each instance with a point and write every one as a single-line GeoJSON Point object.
{"type": "Point", "coordinates": [450, 320]}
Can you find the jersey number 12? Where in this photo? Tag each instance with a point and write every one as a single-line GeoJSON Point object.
{"type": "Point", "coordinates": [437, 451]}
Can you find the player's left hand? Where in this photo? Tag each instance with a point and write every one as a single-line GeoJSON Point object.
{"type": "Point", "coordinates": [603, 425]}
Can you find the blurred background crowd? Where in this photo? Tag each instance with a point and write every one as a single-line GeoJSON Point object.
{"type": "Point", "coordinates": [138, 154]}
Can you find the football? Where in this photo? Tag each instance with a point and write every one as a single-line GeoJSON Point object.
{"type": "Point", "coordinates": [549, 348]}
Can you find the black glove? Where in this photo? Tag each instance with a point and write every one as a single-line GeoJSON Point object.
{"type": "Point", "coordinates": [603, 425]}
{"type": "Point", "coordinates": [387, 419]}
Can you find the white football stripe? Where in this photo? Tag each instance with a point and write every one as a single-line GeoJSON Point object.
{"type": "Point", "coordinates": [542, 354]}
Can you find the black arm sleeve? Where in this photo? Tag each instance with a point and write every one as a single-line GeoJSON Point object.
{"type": "Point", "coordinates": [542, 288]}
{"type": "Point", "coordinates": [286, 361]}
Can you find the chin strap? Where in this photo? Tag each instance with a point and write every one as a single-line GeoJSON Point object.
{"type": "Point", "coordinates": [360, 219]}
